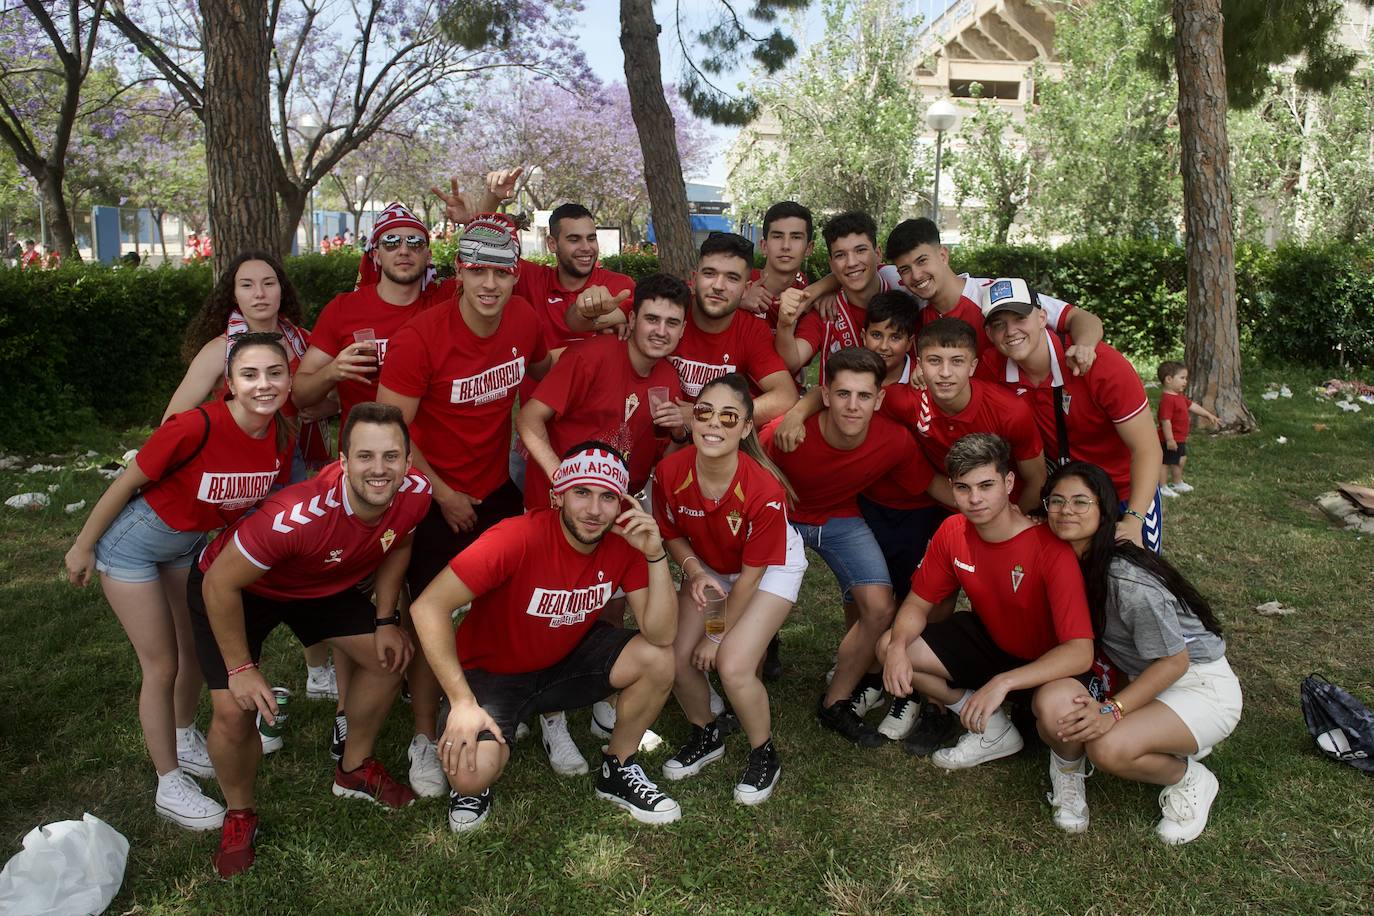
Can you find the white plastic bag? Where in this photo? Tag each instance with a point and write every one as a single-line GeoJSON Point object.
{"type": "Point", "coordinates": [70, 868]}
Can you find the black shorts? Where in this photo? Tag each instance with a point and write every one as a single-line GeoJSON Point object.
{"type": "Point", "coordinates": [580, 679]}
{"type": "Point", "coordinates": [346, 613]}
{"type": "Point", "coordinates": [1172, 455]}
{"type": "Point", "coordinates": [903, 536]}
{"type": "Point", "coordinates": [964, 646]}
{"type": "Point", "coordinates": [435, 543]}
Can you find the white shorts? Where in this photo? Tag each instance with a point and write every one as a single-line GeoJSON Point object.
{"type": "Point", "coordinates": [784, 581]}
{"type": "Point", "coordinates": [1207, 698]}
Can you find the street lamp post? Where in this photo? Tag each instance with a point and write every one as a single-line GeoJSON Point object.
{"type": "Point", "coordinates": [310, 127]}
{"type": "Point", "coordinates": [940, 117]}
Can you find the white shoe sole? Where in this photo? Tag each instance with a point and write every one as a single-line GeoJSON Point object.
{"type": "Point", "coordinates": [601, 731]}
{"type": "Point", "coordinates": [639, 814]}
{"type": "Point", "coordinates": [681, 772]}
{"type": "Point", "coordinates": [426, 788]}
{"type": "Point", "coordinates": [942, 757]}
{"type": "Point", "coordinates": [312, 693]}
{"type": "Point", "coordinates": [341, 792]}
{"type": "Point", "coordinates": [469, 826]}
{"type": "Point", "coordinates": [198, 770]}
{"type": "Point", "coordinates": [749, 796]}
{"type": "Point", "coordinates": [196, 824]}
{"type": "Point", "coordinates": [577, 769]}
{"type": "Point", "coordinates": [897, 729]}
{"type": "Point", "coordinates": [1200, 824]}
{"type": "Point", "coordinates": [1074, 827]}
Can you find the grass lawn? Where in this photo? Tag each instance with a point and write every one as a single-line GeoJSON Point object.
{"type": "Point", "coordinates": [848, 831]}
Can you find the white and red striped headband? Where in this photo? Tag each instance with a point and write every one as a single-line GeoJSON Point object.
{"type": "Point", "coordinates": [592, 467]}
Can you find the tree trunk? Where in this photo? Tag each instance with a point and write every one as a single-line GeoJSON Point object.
{"type": "Point", "coordinates": [657, 137]}
{"type": "Point", "coordinates": [293, 208]}
{"type": "Point", "coordinates": [240, 156]}
{"type": "Point", "coordinates": [1213, 334]}
{"type": "Point", "coordinates": [158, 214]}
{"type": "Point", "coordinates": [59, 218]}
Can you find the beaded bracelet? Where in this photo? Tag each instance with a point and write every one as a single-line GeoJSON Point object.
{"type": "Point", "coordinates": [242, 668]}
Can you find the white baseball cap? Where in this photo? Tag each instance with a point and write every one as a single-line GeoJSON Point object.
{"type": "Point", "coordinates": [1005, 294]}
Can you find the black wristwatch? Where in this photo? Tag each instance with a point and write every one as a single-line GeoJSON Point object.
{"type": "Point", "coordinates": [393, 621]}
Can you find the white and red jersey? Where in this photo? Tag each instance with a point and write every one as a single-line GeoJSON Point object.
{"type": "Point", "coordinates": [828, 480]}
{"type": "Point", "coordinates": [745, 346]}
{"type": "Point", "coordinates": [466, 385]}
{"type": "Point", "coordinates": [1110, 393]}
{"type": "Point", "coordinates": [798, 282]}
{"type": "Point", "coordinates": [216, 483]}
{"type": "Point", "coordinates": [990, 409]}
{"type": "Point", "coordinates": [596, 394]}
{"type": "Point", "coordinates": [536, 596]}
{"type": "Point", "coordinates": [310, 543]}
{"type": "Point", "coordinates": [538, 284]}
{"type": "Point", "coordinates": [353, 311]}
{"type": "Point", "coordinates": [1027, 591]}
{"type": "Point", "coordinates": [746, 527]}
{"type": "Point", "coordinates": [1057, 311]}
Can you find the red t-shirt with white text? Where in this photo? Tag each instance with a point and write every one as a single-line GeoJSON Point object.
{"type": "Point", "coordinates": [466, 385]}
{"type": "Point", "coordinates": [595, 393]}
{"type": "Point", "coordinates": [538, 284]}
{"type": "Point", "coordinates": [1110, 393]}
{"type": "Point", "coordinates": [309, 541]}
{"type": "Point", "coordinates": [536, 596]}
{"type": "Point", "coordinates": [746, 527]}
{"type": "Point", "coordinates": [1174, 408]}
{"type": "Point", "coordinates": [226, 478]}
{"type": "Point", "coordinates": [828, 480]}
{"type": "Point", "coordinates": [745, 346]}
{"type": "Point", "coordinates": [1027, 591]}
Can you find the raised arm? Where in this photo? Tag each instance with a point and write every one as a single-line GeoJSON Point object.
{"type": "Point", "coordinates": [777, 394]}
{"type": "Point", "coordinates": [205, 372]}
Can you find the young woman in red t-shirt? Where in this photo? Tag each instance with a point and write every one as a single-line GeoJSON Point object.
{"type": "Point", "coordinates": [721, 505]}
{"type": "Point", "coordinates": [199, 471]}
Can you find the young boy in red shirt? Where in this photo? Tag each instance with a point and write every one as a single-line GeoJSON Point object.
{"type": "Point", "coordinates": [1174, 410]}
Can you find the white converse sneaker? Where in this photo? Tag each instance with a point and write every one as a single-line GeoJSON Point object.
{"type": "Point", "coordinates": [1168, 492]}
{"type": "Point", "coordinates": [321, 683]}
{"type": "Point", "coordinates": [1186, 805]}
{"type": "Point", "coordinates": [717, 703]}
{"type": "Point", "coordinates": [603, 723]}
{"type": "Point", "coordinates": [866, 699]}
{"type": "Point", "coordinates": [1069, 798]}
{"type": "Point", "coordinates": [564, 756]}
{"type": "Point", "coordinates": [1182, 487]}
{"type": "Point", "coordinates": [427, 778]}
{"type": "Point", "coordinates": [900, 719]}
{"type": "Point", "coordinates": [468, 812]}
{"type": "Point", "coordinates": [1000, 739]}
{"type": "Point", "coordinates": [192, 754]}
{"type": "Point", "coordinates": [180, 801]}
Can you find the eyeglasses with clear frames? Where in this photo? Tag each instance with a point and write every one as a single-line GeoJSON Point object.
{"type": "Point", "coordinates": [729, 417]}
{"type": "Point", "coordinates": [1075, 505]}
{"type": "Point", "coordinates": [391, 241]}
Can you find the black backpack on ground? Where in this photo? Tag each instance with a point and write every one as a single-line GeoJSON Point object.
{"type": "Point", "coordinates": [1342, 726]}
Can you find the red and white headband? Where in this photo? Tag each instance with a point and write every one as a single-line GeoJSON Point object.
{"type": "Point", "coordinates": [592, 468]}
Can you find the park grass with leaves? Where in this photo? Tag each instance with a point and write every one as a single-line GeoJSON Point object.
{"type": "Point", "coordinates": [848, 831]}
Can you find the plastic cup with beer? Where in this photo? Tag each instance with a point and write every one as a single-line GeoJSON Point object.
{"type": "Point", "coordinates": [368, 336]}
{"type": "Point", "coordinates": [715, 611]}
{"type": "Point", "coordinates": [659, 394]}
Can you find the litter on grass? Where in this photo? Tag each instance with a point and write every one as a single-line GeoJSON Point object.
{"type": "Point", "coordinates": [1274, 609]}
{"type": "Point", "coordinates": [74, 507]}
{"type": "Point", "coordinates": [31, 501]}
{"type": "Point", "coordinates": [43, 468]}
{"type": "Point", "coordinates": [1282, 440]}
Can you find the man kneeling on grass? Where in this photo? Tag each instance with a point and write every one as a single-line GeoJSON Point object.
{"type": "Point", "coordinates": [532, 641]}
{"type": "Point", "coordinates": [1030, 625]}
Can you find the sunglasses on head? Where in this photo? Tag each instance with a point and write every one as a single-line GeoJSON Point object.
{"type": "Point", "coordinates": [391, 241]}
{"type": "Point", "coordinates": [729, 417]}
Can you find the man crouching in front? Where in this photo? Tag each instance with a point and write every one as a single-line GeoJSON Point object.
{"type": "Point", "coordinates": [532, 642]}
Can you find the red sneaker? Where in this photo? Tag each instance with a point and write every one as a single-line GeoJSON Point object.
{"type": "Point", "coordinates": [372, 782]}
{"type": "Point", "coordinates": [236, 842]}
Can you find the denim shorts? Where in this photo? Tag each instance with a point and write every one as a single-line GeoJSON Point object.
{"type": "Point", "coordinates": [138, 545]}
{"type": "Point", "coordinates": [848, 547]}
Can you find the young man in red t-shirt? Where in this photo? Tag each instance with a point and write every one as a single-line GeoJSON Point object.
{"type": "Point", "coordinates": [454, 371]}
{"type": "Point", "coordinates": [1174, 420]}
{"type": "Point", "coordinates": [845, 451]}
{"type": "Point", "coordinates": [311, 557]}
{"type": "Point", "coordinates": [32, 257]}
{"type": "Point", "coordinates": [349, 343]}
{"type": "Point", "coordinates": [786, 244]}
{"type": "Point", "coordinates": [532, 641]}
{"type": "Point", "coordinates": [1104, 414]}
{"type": "Point", "coordinates": [1030, 625]}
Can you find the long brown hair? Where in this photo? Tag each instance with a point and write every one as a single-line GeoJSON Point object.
{"type": "Point", "coordinates": [239, 343]}
{"type": "Point", "coordinates": [750, 444]}
{"type": "Point", "coordinates": [220, 304]}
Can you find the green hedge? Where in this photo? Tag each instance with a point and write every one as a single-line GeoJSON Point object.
{"type": "Point", "coordinates": [89, 344]}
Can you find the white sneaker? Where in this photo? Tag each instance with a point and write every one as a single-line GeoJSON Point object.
{"type": "Point", "coordinates": [900, 719]}
{"type": "Point", "coordinates": [1000, 739]}
{"type": "Point", "coordinates": [1168, 492]}
{"type": "Point", "coordinates": [603, 723]}
{"type": "Point", "coordinates": [717, 703]}
{"type": "Point", "coordinates": [192, 754]}
{"type": "Point", "coordinates": [564, 756]}
{"type": "Point", "coordinates": [427, 778]}
{"type": "Point", "coordinates": [182, 802]}
{"type": "Point", "coordinates": [1069, 797]}
{"type": "Point", "coordinates": [1182, 487]}
{"type": "Point", "coordinates": [1186, 804]}
{"type": "Point", "coordinates": [321, 683]}
{"type": "Point", "coordinates": [866, 699]}
{"type": "Point", "coordinates": [522, 731]}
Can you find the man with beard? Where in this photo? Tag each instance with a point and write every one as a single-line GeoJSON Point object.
{"type": "Point", "coordinates": [532, 642]}
{"type": "Point", "coordinates": [311, 558]}
{"type": "Point", "coordinates": [349, 343]}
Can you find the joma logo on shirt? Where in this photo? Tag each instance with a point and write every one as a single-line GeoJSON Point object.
{"type": "Point", "coordinates": [568, 607]}
{"type": "Point", "coordinates": [695, 375]}
{"type": "Point", "coordinates": [235, 491]}
{"type": "Point", "coordinates": [489, 385]}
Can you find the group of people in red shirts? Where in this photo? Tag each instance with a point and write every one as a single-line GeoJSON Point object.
{"type": "Point", "coordinates": [660, 419]}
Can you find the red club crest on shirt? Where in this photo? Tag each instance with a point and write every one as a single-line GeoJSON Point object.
{"type": "Point", "coordinates": [1017, 574]}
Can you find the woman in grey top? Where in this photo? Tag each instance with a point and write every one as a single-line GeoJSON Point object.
{"type": "Point", "coordinates": [1153, 625]}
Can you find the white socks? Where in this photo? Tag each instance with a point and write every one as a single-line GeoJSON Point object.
{"type": "Point", "coordinates": [958, 707]}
